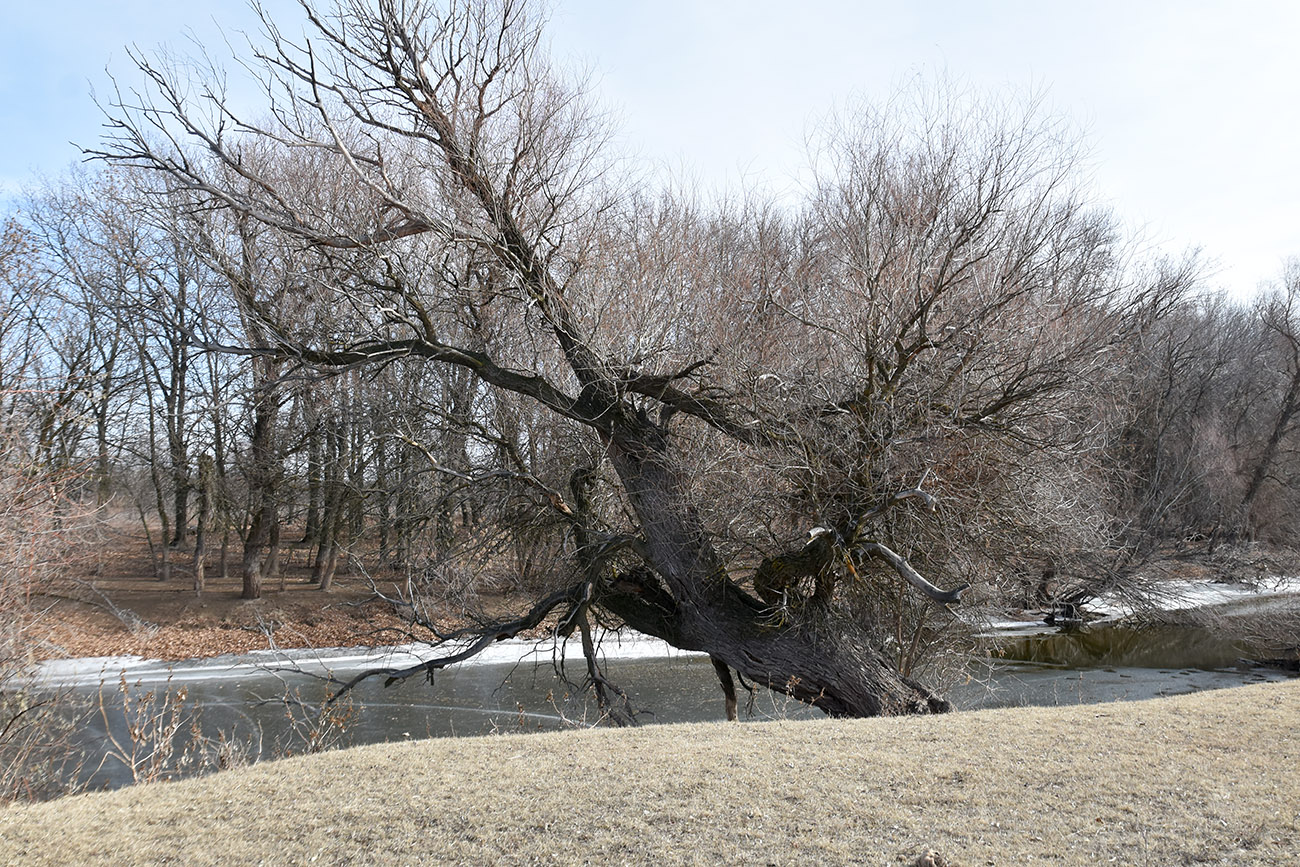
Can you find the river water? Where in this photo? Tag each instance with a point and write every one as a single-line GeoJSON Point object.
{"type": "Point", "coordinates": [242, 702]}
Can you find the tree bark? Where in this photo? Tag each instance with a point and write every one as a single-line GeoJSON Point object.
{"type": "Point", "coordinates": [202, 522]}
{"type": "Point", "coordinates": [311, 533]}
{"type": "Point", "coordinates": [332, 517]}
{"type": "Point", "coordinates": [251, 568]}
{"type": "Point", "coordinates": [261, 475]}
{"type": "Point", "coordinates": [728, 688]}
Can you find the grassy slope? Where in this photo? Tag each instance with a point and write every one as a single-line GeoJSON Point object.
{"type": "Point", "coordinates": [1212, 778]}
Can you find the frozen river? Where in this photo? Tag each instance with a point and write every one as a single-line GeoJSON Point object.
{"type": "Point", "coordinates": [241, 699]}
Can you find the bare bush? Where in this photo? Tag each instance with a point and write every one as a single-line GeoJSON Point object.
{"type": "Point", "coordinates": [37, 521]}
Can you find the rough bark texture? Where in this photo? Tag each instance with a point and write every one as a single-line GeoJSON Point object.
{"type": "Point", "coordinates": [261, 477]}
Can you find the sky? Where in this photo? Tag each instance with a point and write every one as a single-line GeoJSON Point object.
{"type": "Point", "coordinates": [1190, 108]}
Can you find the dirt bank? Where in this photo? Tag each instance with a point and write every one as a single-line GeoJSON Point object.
{"type": "Point", "coordinates": [109, 602]}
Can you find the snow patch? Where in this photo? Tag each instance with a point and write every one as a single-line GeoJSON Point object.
{"type": "Point", "coordinates": [93, 671]}
{"type": "Point", "coordinates": [1173, 596]}
{"type": "Point", "coordinates": [1188, 595]}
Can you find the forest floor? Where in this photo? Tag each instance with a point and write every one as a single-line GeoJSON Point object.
{"type": "Point", "coordinates": [109, 602]}
{"type": "Point", "coordinates": [1207, 778]}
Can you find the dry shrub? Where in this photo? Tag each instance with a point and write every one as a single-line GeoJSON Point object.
{"type": "Point", "coordinates": [36, 754]}
{"type": "Point", "coordinates": [1272, 635]}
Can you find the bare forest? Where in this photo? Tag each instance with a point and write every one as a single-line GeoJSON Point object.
{"type": "Point", "coordinates": [416, 315]}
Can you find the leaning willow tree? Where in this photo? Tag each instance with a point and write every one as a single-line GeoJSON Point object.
{"type": "Point", "coordinates": [764, 421]}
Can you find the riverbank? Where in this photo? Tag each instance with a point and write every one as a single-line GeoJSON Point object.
{"type": "Point", "coordinates": [1206, 778]}
{"type": "Point", "coordinates": [110, 603]}
{"type": "Point", "coordinates": [96, 670]}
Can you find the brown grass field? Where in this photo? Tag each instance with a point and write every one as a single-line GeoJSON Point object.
{"type": "Point", "coordinates": [1212, 778]}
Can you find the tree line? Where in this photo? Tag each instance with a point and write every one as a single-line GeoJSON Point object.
{"type": "Point", "coordinates": [417, 318]}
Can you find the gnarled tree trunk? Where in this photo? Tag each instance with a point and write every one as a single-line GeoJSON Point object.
{"type": "Point", "coordinates": [698, 608]}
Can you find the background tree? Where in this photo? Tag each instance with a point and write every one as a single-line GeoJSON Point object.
{"type": "Point", "coordinates": [38, 512]}
{"type": "Point", "coordinates": [1278, 315]}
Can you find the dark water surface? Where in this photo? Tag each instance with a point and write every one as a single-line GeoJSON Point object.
{"type": "Point", "coordinates": [1110, 663]}
{"type": "Point", "coordinates": [246, 705]}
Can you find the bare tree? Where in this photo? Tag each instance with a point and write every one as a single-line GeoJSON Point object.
{"type": "Point", "coordinates": [1278, 313]}
{"type": "Point", "coordinates": [79, 231]}
{"type": "Point", "coordinates": [125, 277]}
{"type": "Point", "coordinates": [748, 400]}
{"type": "Point", "coordinates": [36, 523]}
{"type": "Point", "coordinates": [1205, 452]}
{"type": "Point", "coordinates": [250, 271]}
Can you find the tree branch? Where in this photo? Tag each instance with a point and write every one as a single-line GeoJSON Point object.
{"type": "Point", "coordinates": [483, 637]}
{"type": "Point", "coordinates": [905, 569]}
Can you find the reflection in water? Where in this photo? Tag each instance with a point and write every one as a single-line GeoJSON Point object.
{"type": "Point", "coordinates": [1121, 646]}
{"type": "Point", "coordinates": [1109, 663]}
{"type": "Point", "coordinates": [1098, 665]}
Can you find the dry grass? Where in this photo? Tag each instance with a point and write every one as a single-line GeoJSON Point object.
{"type": "Point", "coordinates": [1209, 778]}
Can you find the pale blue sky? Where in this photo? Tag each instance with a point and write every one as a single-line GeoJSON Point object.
{"type": "Point", "coordinates": [1192, 108]}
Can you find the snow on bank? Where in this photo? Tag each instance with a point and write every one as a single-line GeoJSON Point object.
{"type": "Point", "coordinates": [92, 671]}
{"type": "Point", "coordinates": [1189, 595]}
{"type": "Point", "coordinates": [1179, 595]}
